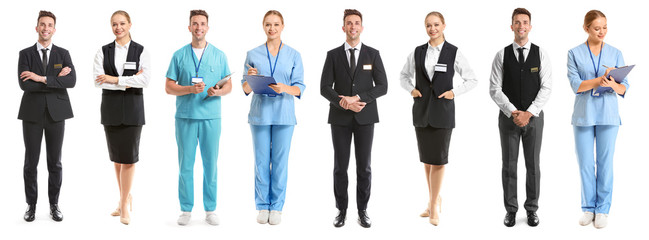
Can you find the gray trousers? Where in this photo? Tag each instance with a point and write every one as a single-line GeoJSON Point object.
{"type": "Point", "coordinates": [510, 138]}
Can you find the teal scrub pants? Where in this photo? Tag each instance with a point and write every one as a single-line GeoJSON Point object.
{"type": "Point", "coordinates": [271, 144]}
{"type": "Point", "coordinates": [190, 133]}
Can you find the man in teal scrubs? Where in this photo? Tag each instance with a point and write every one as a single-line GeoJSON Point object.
{"type": "Point", "coordinates": [192, 76]}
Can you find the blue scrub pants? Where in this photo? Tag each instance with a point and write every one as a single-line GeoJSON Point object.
{"type": "Point", "coordinates": [189, 133]}
{"type": "Point", "coordinates": [271, 144]}
{"type": "Point", "coordinates": [596, 170]}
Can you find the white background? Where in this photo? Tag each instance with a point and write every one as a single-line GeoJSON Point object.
{"type": "Point", "coordinates": [472, 190]}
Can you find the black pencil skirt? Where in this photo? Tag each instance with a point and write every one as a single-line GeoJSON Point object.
{"type": "Point", "coordinates": [123, 143]}
{"type": "Point", "coordinates": [433, 144]}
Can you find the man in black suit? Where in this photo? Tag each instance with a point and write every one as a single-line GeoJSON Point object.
{"type": "Point", "coordinates": [352, 79]}
{"type": "Point", "coordinates": [44, 73]}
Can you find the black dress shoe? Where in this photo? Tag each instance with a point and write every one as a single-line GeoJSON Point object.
{"type": "Point", "coordinates": [510, 219]}
{"type": "Point", "coordinates": [340, 219]}
{"type": "Point", "coordinates": [30, 213]}
{"type": "Point", "coordinates": [55, 213]}
{"type": "Point", "coordinates": [532, 219]}
{"type": "Point", "coordinates": [363, 219]}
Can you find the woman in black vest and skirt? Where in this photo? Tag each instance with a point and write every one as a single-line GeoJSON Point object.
{"type": "Point", "coordinates": [433, 66]}
{"type": "Point", "coordinates": [122, 69]}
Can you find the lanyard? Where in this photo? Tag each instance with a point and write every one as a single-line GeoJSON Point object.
{"type": "Point", "coordinates": [272, 68]}
{"type": "Point", "coordinates": [199, 60]}
{"type": "Point", "coordinates": [593, 60]}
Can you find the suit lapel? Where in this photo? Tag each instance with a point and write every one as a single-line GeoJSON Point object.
{"type": "Point", "coordinates": [422, 60]}
{"type": "Point", "coordinates": [111, 58]}
{"type": "Point", "coordinates": [359, 62]}
{"type": "Point", "coordinates": [39, 61]}
{"type": "Point", "coordinates": [343, 60]}
{"type": "Point", "coordinates": [442, 55]}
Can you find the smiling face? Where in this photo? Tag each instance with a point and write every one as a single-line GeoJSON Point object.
{"type": "Point", "coordinates": [353, 27]}
{"type": "Point", "coordinates": [597, 30]}
{"type": "Point", "coordinates": [434, 27]}
{"type": "Point", "coordinates": [273, 26]}
{"type": "Point", "coordinates": [121, 26]}
{"type": "Point", "coordinates": [45, 29]}
{"type": "Point", "coordinates": [198, 27]}
{"type": "Point", "coordinates": [521, 26]}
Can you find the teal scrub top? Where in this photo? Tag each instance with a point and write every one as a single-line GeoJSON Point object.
{"type": "Point", "coordinates": [213, 67]}
{"type": "Point", "coordinates": [594, 110]}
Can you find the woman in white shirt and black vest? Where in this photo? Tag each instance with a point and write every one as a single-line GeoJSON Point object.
{"type": "Point", "coordinates": [122, 69]}
{"type": "Point", "coordinates": [433, 66]}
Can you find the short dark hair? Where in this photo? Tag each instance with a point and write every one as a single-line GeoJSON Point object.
{"type": "Point", "coordinates": [44, 13]}
{"type": "Point", "coordinates": [352, 12]}
{"type": "Point", "coordinates": [198, 12]}
{"type": "Point", "coordinates": [521, 11]}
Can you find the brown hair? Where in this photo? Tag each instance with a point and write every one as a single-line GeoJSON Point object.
{"type": "Point", "coordinates": [44, 13]}
{"type": "Point", "coordinates": [349, 12]}
{"type": "Point", "coordinates": [198, 12]}
{"type": "Point", "coordinates": [591, 16]}
{"type": "Point", "coordinates": [437, 14]}
{"type": "Point", "coordinates": [273, 12]}
{"type": "Point", "coordinates": [521, 11]}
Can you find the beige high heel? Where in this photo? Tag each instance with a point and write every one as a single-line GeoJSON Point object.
{"type": "Point", "coordinates": [118, 210]}
{"type": "Point", "coordinates": [435, 221]}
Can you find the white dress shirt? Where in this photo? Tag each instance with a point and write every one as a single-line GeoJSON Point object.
{"type": "Point", "coordinates": [39, 47]}
{"type": "Point", "coordinates": [496, 82]}
{"type": "Point", "coordinates": [461, 66]}
{"type": "Point", "coordinates": [357, 52]}
{"type": "Point", "coordinates": [135, 81]}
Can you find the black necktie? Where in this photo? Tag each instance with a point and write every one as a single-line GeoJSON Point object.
{"type": "Point", "coordinates": [352, 59]}
{"type": "Point", "coordinates": [44, 50]}
{"type": "Point", "coordinates": [521, 57]}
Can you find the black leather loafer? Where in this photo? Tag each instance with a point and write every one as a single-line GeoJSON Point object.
{"type": "Point", "coordinates": [30, 214]}
{"type": "Point", "coordinates": [363, 219]}
{"type": "Point", "coordinates": [55, 213]}
{"type": "Point", "coordinates": [510, 219]}
{"type": "Point", "coordinates": [532, 219]}
{"type": "Point", "coordinates": [339, 221]}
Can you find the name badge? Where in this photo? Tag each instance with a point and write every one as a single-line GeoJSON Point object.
{"type": "Point", "coordinates": [130, 66]}
{"type": "Point", "coordinates": [197, 79]}
{"type": "Point", "coordinates": [58, 66]}
{"type": "Point", "coordinates": [440, 67]}
{"type": "Point", "coordinates": [367, 67]}
{"type": "Point", "coordinates": [534, 69]}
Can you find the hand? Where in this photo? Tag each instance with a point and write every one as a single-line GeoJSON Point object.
{"type": "Point", "coordinates": [27, 75]}
{"type": "Point", "coordinates": [607, 83]}
{"type": "Point", "coordinates": [278, 88]}
{"type": "Point", "coordinates": [197, 88]}
{"type": "Point", "coordinates": [448, 95]}
{"type": "Point", "coordinates": [246, 87]}
{"type": "Point", "coordinates": [357, 106]}
{"type": "Point", "coordinates": [101, 79]}
{"type": "Point", "coordinates": [346, 101]}
{"type": "Point", "coordinates": [214, 91]}
{"type": "Point", "coordinates": [140, 72]}
{"type": "Point", "coordinates": [521, 118]}
{"type": "Point", "coordinates": [608, 70]}
{"type": "Point", "coordinates": [415, 93]}
{"type": "Point", "coordinates": [65, 71]}
{"type": "Point", "coordinates": [251, 70]}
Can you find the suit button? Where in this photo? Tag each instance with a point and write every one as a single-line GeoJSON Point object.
{"type": "Point", "coordinates": [353, 85]}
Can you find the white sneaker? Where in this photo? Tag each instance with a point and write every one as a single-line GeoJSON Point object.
{"type": "Point", "coordinates": [601, 220]}
{"type": "Point", "coordinates": [184, 218]}
{"type": "Point", "coordinates": [262, 218]}
{"type": "Point", "coordinates": [211, 218]}
{"type": "Point", "coordinates": [587, 218]}
{"type": "Point", "coordinates": [275, 217]}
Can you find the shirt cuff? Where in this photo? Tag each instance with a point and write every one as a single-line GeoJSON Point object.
{"type": "Point", "coordinates": [533, 110]}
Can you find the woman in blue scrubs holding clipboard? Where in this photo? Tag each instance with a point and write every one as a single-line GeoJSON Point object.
{"type": "Point", "coordinates": [272, 117]}
{"type": "Point", "coordinates": [595, 118]}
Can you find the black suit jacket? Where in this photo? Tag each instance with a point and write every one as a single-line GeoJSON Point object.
{"type": "Point", "coordinates": [53, 96]}
{"type": "Point", "coordinates": [368, 84]}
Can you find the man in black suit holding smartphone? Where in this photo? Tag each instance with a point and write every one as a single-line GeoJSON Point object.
{"type": "Point", "coordinates": [45, 71]}
{"type": "Point", "coordinates": [352, 79]}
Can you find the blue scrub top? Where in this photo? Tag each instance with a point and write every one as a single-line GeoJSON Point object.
{"type": "Point", "coordinates": [213, 67]}
{"type": "Point", "coordinates": [590, 110]}
{"type": "Point", "coordinates": [280, 109]}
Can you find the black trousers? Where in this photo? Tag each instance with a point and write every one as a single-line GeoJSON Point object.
{"type": "Point", "coordinates": [510, 139]}
{"type": "Point", "coordinates": [342, 138]}
{"type": "Point", "coordinates": [33, 135]}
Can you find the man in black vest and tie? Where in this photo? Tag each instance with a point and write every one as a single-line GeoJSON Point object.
{"type": "Point", "coordinates": [352, 79]}
{"type": "Point", "coordinates": [520, 84]}
{"type": "Point", "coordinates": [45, 71]}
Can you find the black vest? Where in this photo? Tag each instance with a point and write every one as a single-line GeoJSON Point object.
{"type": "Point", "coordinates": [428, 109]}
{"type": "Point", "coordinates": [521, 82]}
{"type": "Point", "coordinates": [122, 107]}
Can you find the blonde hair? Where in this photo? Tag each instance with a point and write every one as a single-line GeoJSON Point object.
{"type": "Point", "coordinates": [273, 12]}
{"type": "Point", "coordinates": [437, 14]}
{"type": "Point", "coordinates": [591, 16]}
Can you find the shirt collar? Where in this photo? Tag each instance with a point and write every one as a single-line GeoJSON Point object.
{"type": "Point", "coordinates": [358, 47]}
{"type": "Point", "coordinates": [438, 47]}
{"type": "Point", "coordinates": [527, 45]}
{"type": "Point", "coordinates": [123, 47]}
{"type": "Point", "coordinates": [39, 46]}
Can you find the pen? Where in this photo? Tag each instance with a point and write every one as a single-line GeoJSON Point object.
{"type": "Point", "coordinates": [605, 66]}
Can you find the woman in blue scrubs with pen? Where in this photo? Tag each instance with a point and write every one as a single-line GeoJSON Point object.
{"type": "Point", "coordinates": [595, 118]}
{"type": "Point", "coordinates": [272, 117]}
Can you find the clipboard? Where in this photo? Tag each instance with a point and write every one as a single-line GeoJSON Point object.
{"type": "Point", "coordinates": [259, 84]}
{"type": "Point", "coordinates": [618, 74]}
{"type": "Point", "coordinates": [221, 82]}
